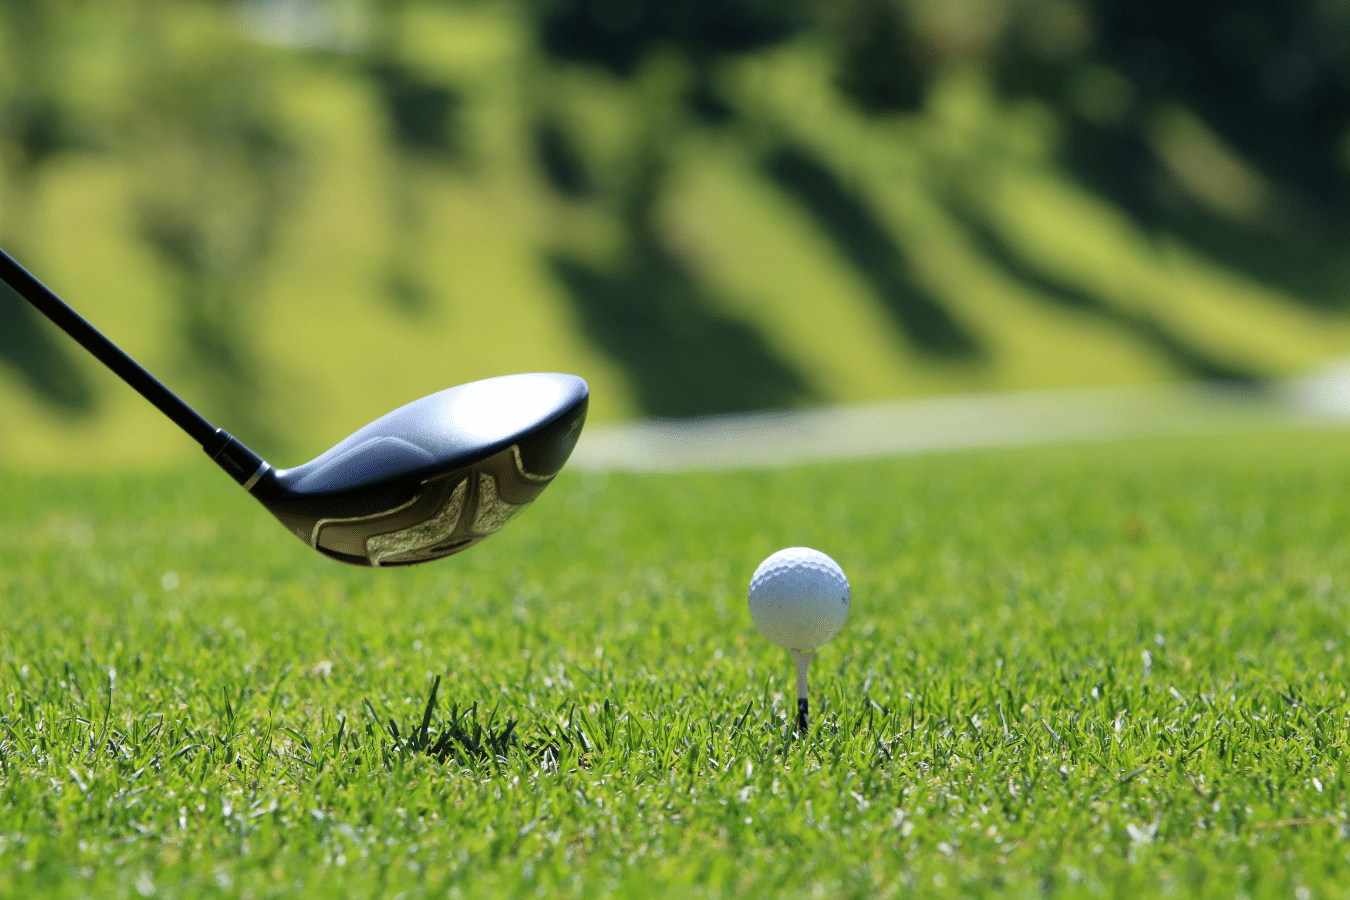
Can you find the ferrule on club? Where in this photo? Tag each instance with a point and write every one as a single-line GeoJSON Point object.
{"type": "Point", "coordinates": [244, 466]}
{"type": "Point", "coordinates": [802, 660]}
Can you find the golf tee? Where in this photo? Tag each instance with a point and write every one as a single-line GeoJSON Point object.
{"type": "Point", "coordinates": [801, 659]}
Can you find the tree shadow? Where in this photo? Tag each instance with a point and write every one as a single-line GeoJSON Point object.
{"type": "Point", "coordinates": [425, 127]}
{"type": "Point", "coordinates": [1308, 266]}
{"type": "Point", "coordinates": [424, 115]}
{"type": "Point", "coordinates": [1267, 80]}
{"type": "Point", "coordinates": [653, 317]}
{"type": "Point", "coordinates": [559, 160]}
{"type": "Point", "coordinates": [216, 345]}
{"type": "Point", "coordinates": [860, 237]}
{"type": "Point", "coordinates": [1266, 75]}
{"type": "Point", "coordinates": [1184, 356]}
{"type": "Point", "coordinates": [880, 67]}
{"type": "Point", "coordinates": [44, 364]}
{"type": "Point", "coordinates": [1305, 261]}
{"type": "Point", "coordinates": [618, 35]}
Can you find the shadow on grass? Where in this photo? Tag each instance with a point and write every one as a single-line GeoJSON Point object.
{"type": "Point", "coordinates": [1304, 258]}
{"type": "Point", "coordinates": [1187, 358]}
{"type": "Point", "coordinates": [44, 364]}
{"type": "Point", "coordinates": [860, 237]}
{"type": "Point", "coordinates": [1309, 265]}
{"type": "Point", "coordinates": [582, 736]}
{"type": "Point", "coordinates": [651, 315]}
{"type": "Point", "coordinates": [461, 738]}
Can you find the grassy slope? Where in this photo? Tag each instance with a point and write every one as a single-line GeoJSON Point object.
{"type": "Point", "coordinates": [336, 355]}
{"type": "Point", "coordinates": [1116, 670]}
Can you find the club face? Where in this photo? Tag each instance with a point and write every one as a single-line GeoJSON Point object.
{"type": "Point", "coordinates": [434, 477]}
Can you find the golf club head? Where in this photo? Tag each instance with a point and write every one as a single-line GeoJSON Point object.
{"type": "Point", "coordinates": [434, 477]}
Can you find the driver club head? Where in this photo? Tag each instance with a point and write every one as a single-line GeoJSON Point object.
{"type": "Point", "coordinates": [433, 477]}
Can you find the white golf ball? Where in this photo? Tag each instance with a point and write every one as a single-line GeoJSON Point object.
{"type": "Point", "coordinates": [799, 598]}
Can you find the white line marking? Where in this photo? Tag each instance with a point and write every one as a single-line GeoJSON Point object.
{"type": "Point", "coordinates": [1321, 400]}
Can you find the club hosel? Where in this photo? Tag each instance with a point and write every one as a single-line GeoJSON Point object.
{"type": "Point", "coordinates": [244, 466]}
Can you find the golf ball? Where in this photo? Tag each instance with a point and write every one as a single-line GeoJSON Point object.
{"type": "Point", "coordinates": [799, 598]}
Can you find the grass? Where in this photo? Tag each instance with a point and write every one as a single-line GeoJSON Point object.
{"type": "Point", "coordinates": [332, 352]}
{"type": "Point", "coordinates": [1106, 671]}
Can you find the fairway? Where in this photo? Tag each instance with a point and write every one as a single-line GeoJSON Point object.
{"type": "Point", "coordinates": [1112, 670]}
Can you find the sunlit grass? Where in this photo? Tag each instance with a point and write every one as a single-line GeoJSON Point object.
{"type": "Point", "coordinates": [333, 352]}
{"type": "Point", "coordinates": [1078, 671]}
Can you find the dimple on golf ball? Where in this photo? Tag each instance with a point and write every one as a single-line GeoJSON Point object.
{"type": "Point", "coordinates": [799, 598]}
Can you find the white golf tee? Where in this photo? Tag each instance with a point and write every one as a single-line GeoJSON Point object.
{"type": "Point", "coordinates": [801, 659]}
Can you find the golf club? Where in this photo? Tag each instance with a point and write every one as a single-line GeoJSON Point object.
{"type": "Point", "coordinates": [427, 480]}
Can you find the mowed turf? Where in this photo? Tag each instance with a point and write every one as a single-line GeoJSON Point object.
{"type": "Point", "coordinates": [1113, 670]}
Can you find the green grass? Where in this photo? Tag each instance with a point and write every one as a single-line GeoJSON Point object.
{"type": "Point", "coordinates": [1116, 670]}
{"type": "Point", "coordinates": [332, 353]}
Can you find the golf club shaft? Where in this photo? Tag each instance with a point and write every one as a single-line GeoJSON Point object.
{"type": "Point", "coordinates": [232, 456]}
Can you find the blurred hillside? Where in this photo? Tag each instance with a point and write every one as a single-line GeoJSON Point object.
{"type": "Point", "coordinates": [303, 214]}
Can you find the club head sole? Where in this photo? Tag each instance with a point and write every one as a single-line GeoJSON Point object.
{"type": "Point", "coordinates": [435, 477]}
